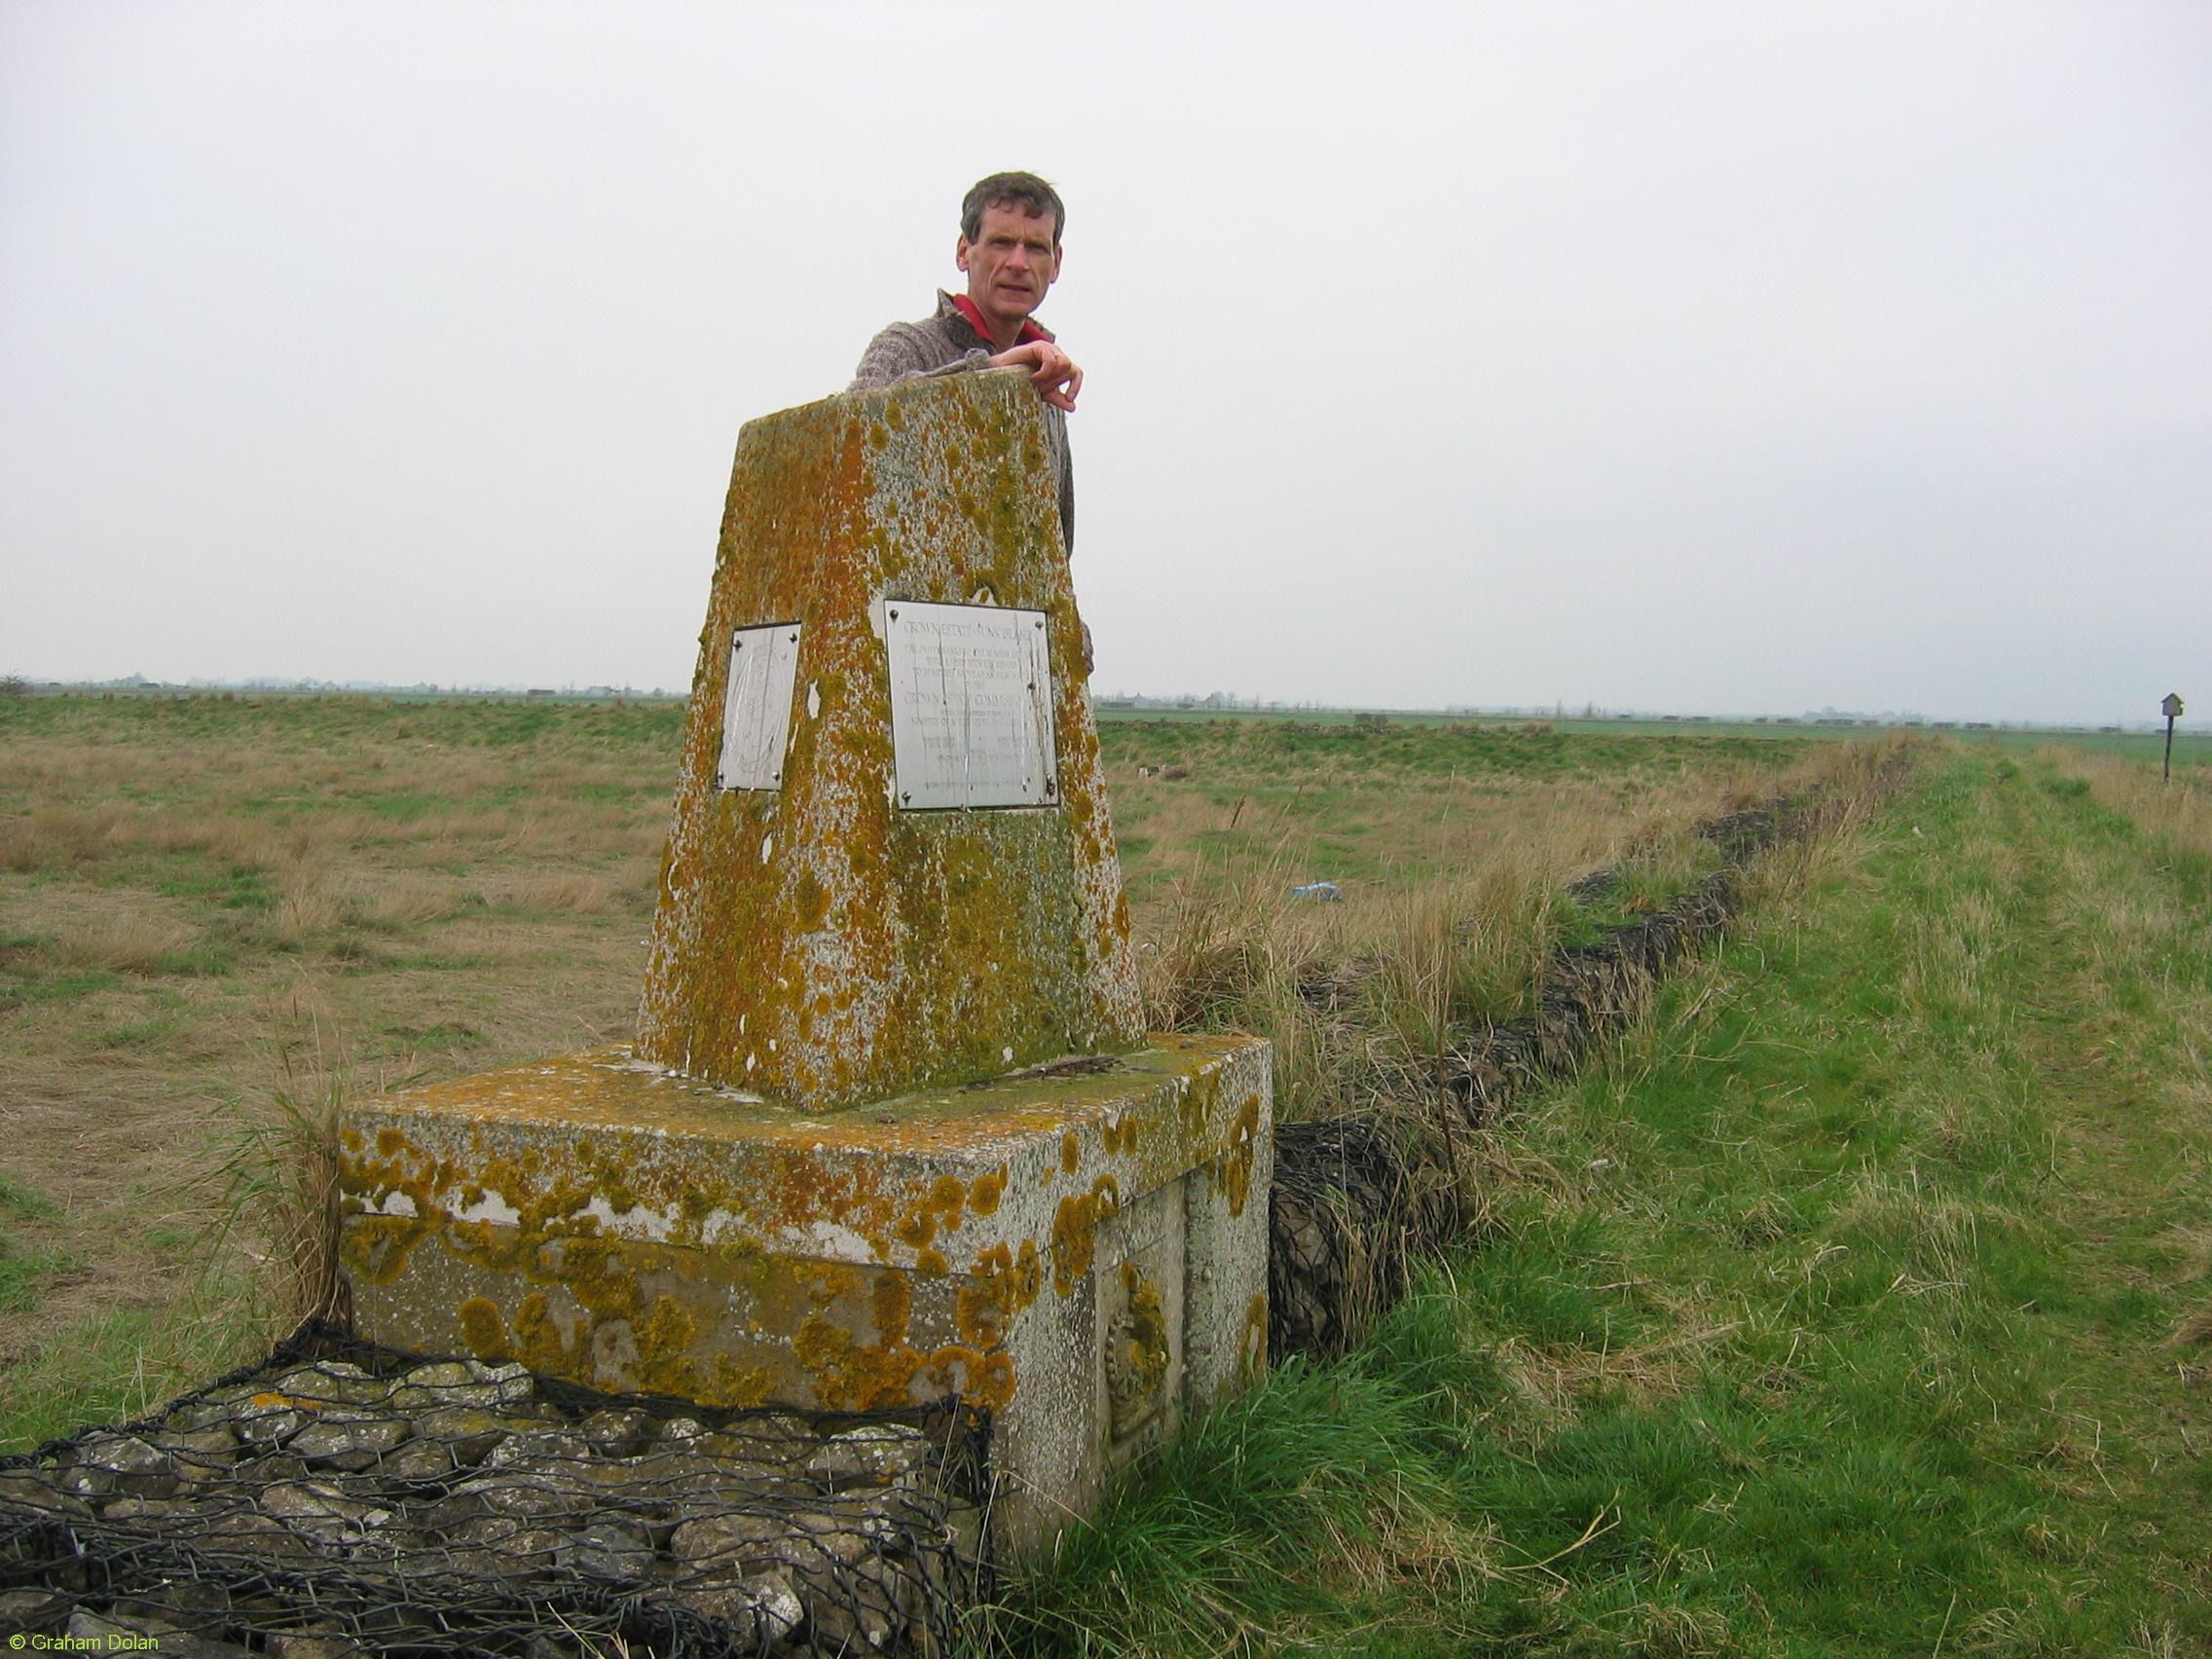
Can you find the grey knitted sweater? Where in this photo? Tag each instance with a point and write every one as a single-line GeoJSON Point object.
{"type": "Point", "coordinates": [947, 344]}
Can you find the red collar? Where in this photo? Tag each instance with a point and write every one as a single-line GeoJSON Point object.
{"type": "Point", "coordinates": [974, 312]}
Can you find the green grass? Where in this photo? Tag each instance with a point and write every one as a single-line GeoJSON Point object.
{"type": "Point", "coordinates": [1857, 1305]}
{"type": "Point", "coordinates": [120, 1364]}
{"type": "Point", "coordinates": [24, 1274]}
{"type": "Point", "coordinates": [1296, 751]}
{"type": "Point", "coordinates": [24, 984]}
{"type": "Point", "coordinates": [150, 1032]}
{"type": "Point", "coordinates": [24, 1269]}
{"type": "Point", "coordinates": [19, 1200]}
{"type": "Point", "coordinates": [2191, 749]}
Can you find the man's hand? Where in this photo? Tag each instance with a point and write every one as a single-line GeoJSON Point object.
{"type": "Point", "coordinates": [1051, 370]}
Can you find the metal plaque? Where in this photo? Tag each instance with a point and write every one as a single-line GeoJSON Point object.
{"type": "Point", "coordinates": [756, 708]}
{"type": "Point", "coordinates": [971, 706]}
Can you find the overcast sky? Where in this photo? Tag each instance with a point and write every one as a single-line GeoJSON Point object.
{"type": "Point", "coordinates": [1684, 356]}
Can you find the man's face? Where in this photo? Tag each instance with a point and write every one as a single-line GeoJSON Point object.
{"type": "Point", "coordinates": [1010, 264]}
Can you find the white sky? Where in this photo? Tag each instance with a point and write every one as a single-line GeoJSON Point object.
{"type": "Point", "coordinates": [1693, 356]}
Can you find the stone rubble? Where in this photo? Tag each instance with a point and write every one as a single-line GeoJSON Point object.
{"type": "Point", "coordinates": [322, 1509]}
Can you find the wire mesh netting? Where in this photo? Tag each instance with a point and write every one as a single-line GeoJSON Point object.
{"type": "Point", "coordinates": [338, 1499]}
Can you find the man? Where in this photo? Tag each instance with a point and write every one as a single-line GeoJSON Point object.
{"type": "Point", "coordinates": [1010, 248]}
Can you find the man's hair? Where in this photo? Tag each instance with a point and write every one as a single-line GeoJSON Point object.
{"type": "Point", "coordinates": [1026, 191]}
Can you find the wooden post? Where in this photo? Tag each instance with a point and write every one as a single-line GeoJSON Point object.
{"type": "Point", "coordinates": [2171, 709]}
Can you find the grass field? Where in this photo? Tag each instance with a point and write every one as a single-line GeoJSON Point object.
{"type": "Point", "coordinates": [2192, 749]}
{"type": "Point", "coordinates": [215, 912]}
{"type": "Point", "coordinates": [1860, 1303]}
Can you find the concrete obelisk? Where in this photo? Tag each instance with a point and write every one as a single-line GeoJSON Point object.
{"type": "Point", "coordinates": [891, 1128]}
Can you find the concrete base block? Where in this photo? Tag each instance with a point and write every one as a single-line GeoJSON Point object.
{"type": "Point", "coordinates": [1080, 1248]}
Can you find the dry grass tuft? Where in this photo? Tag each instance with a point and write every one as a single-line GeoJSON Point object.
{"type": "Point", "coordinates": [584, 895]}
{"type": "Point", "coordinates": [495, 824]}
{"type": "Point", "coordinates": [126, 944]}
{"type": "Point", "coordinates": [278, 1177]}
{"type": "Point", "coordinates": [409, 901]}
{"type": "Point", "coordinates": [57, 835]}
{"type": "Point", "coordinates": [638, 876]}
{"type": "Point", "coordinates": [2178, 812]}
{"type": "Point", "coordinates": [2194, 1330]}
{"type": "Point", "coordinates": [304, 904]}
{"type": "Point", "coordinates": [241, 843]}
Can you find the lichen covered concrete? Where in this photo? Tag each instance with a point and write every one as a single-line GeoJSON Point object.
{"type": "Point", "coordinates": [631, 1229]}
{"type": "Point", "coordinates": [816, 944]}
{"type": "Point", "coordinates": [605, 1220]}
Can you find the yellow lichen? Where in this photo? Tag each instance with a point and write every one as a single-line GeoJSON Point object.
{"type": "Point", "coordinates": [1252, 1351]}
{"type": "Point", "coordinates": [736, 1384]}
{"type": "Point", "coordinates": [1002, 1286]}
{"type": "Point", "coordinates": [1144, 1352]}
{"type": "Point", "coordinates": [983, 1196]}
{"type": "Point", "coordinates": [485, 1330]}
{"type": "Point", "coordinates": [1074, 1232]}
{"type": "Point", "coordinates": [1234, 1172]}
{"type": "Point", "coordinates": [664, 1339]}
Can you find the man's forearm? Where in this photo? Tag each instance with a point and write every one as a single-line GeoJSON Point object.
{"type": "Point", "coordinates": [891, 357]}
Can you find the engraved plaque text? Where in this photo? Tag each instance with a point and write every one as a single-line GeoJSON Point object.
{"type": "Point", "coordinates": [971, 706]}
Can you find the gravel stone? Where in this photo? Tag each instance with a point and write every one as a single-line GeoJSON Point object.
{"type": "Point", "coordinates": [606, 1550]}
{"type": "Point", "coordinates": [136, 1509]}
{"type": "Point", "coordinates": [314, 1647]}
{"type": "Point", "coordinates": [538, 1446]}
{"type": "Point", "coordinates": [336, 1380]}
{"type": "Point", "coordinates": [34, 1612]}
{"type": "Point", "coordinates": [247, 1533]}
{"type": "Point", "coordinates": [33, 1493]}
{"type": "Point", "coordinates": [874, 1455]}
{"type": "Point", "coordinates": [518, 1546]}
{"type": "Point", "coordinates": [355, 1444]}
{"type": "Point", "coordinates": [322, 1512]}
{"type": "Point", "coordinates": [762, 1603]}
{"type": "Point", "coordinates": [728, 1540]}
{"type": "Point", "coordinates": [509, 1496]}
{"type": "Point", "coordinates": [417, 1460]}
{"type": "Point", "coordinates": [615, 1433]}
{"type": "Point", "coordinates": [471, 1431]}
{"type": "Point", "coordinates": [513, 1380]}
{"type": "Point", "coordinates": [268, 1420]}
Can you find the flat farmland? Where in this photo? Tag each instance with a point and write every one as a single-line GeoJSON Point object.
{"type": "Point", "coordinates": [218, 914]}
{"type": "Point", "coordinates": [1857, 1299]}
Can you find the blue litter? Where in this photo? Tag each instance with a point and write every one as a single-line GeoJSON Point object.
{"type": "Point", "coordinates": [1325, 890]}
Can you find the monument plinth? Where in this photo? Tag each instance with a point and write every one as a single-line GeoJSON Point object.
{"type": "Point", "coordinates": [891, 1128]}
